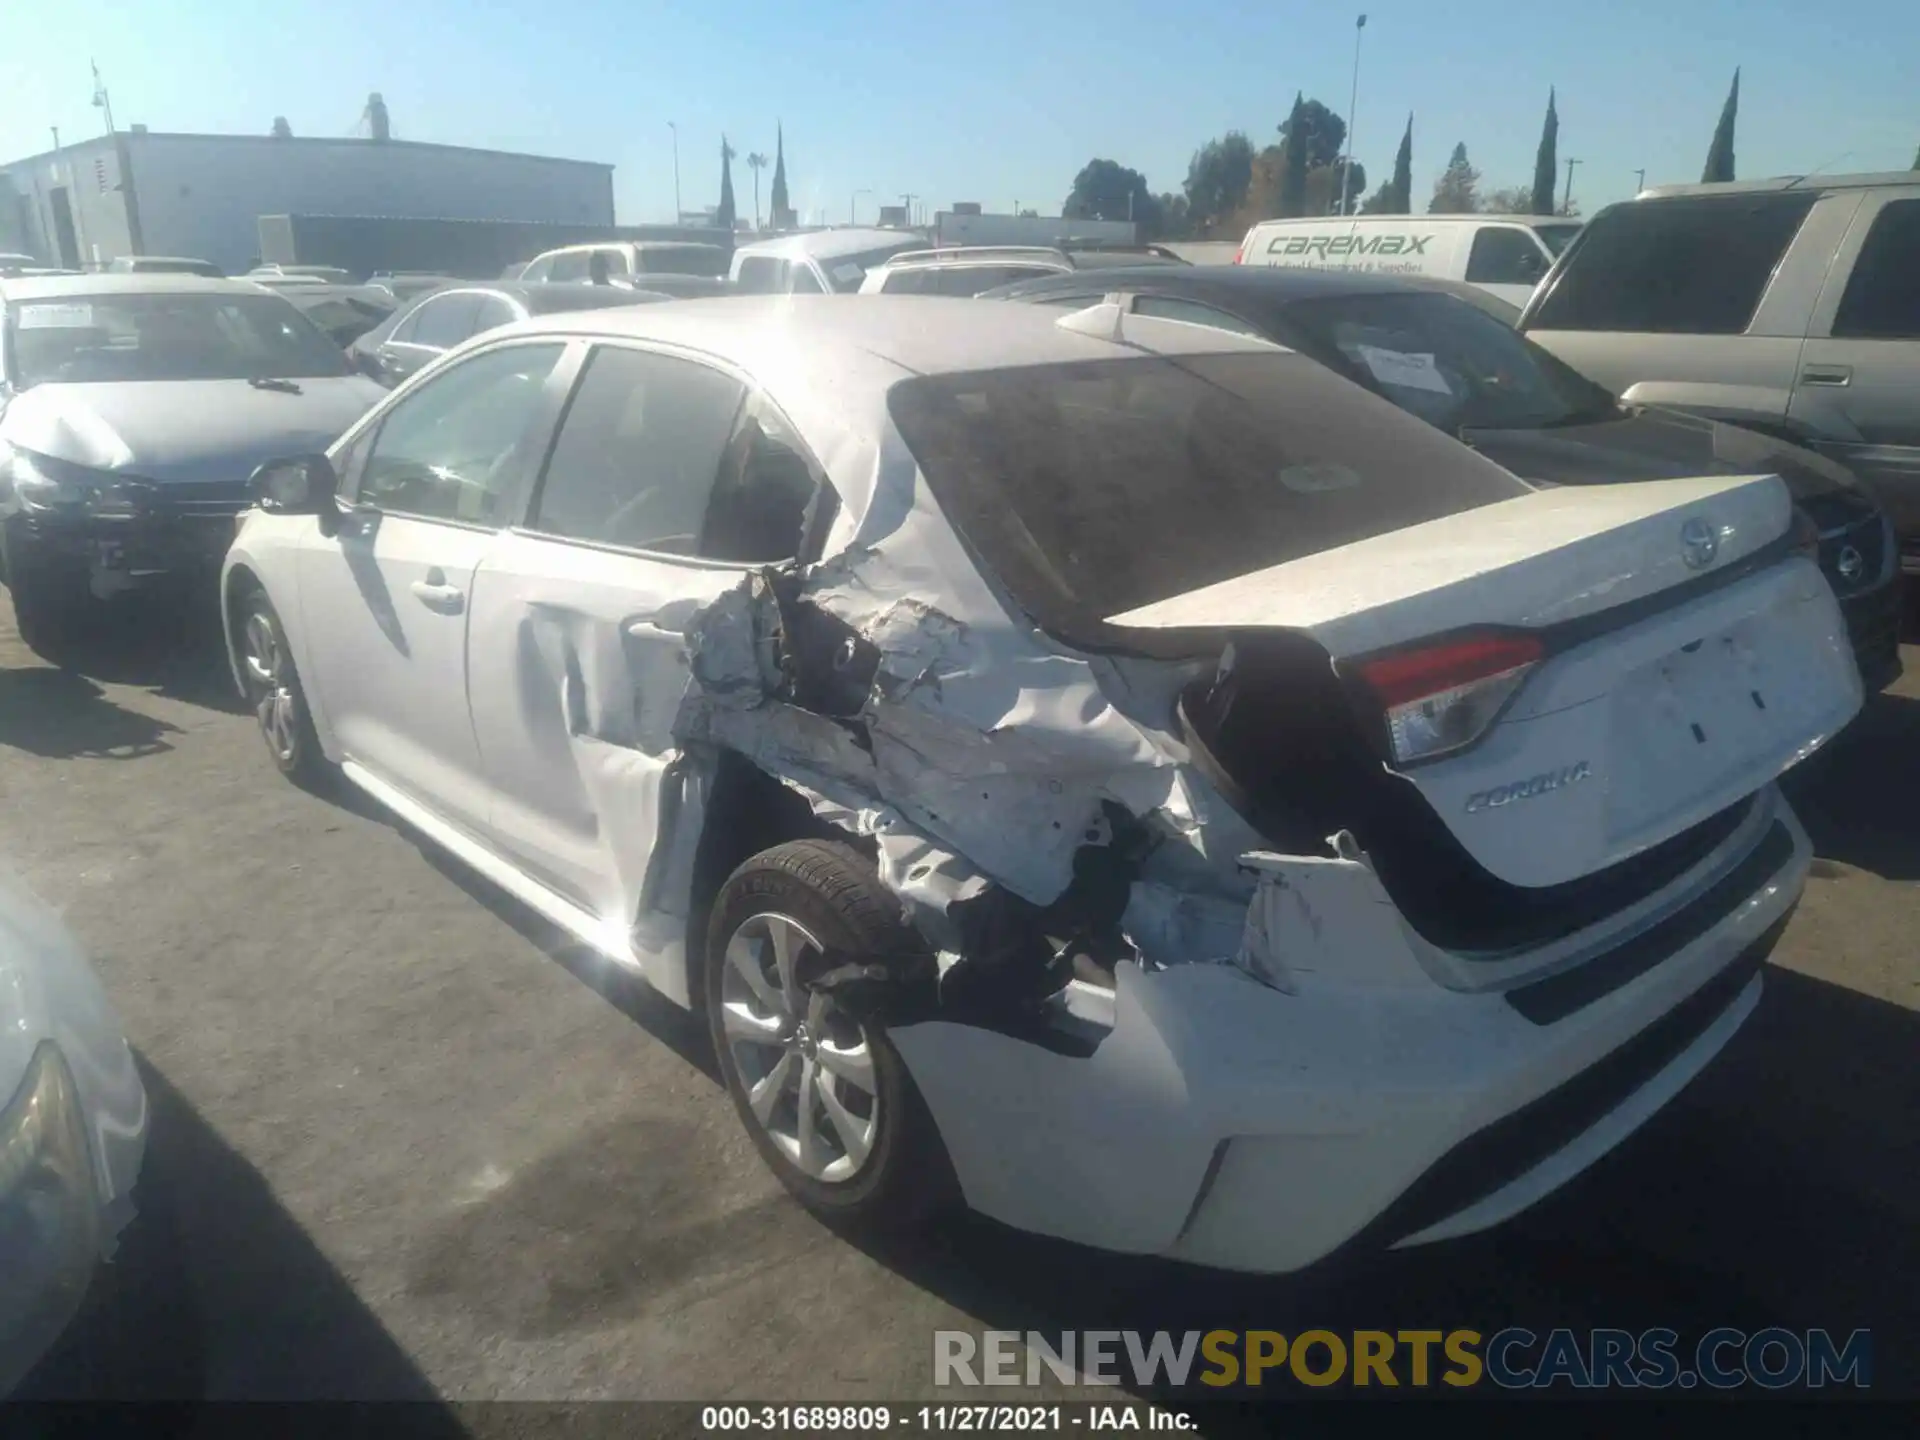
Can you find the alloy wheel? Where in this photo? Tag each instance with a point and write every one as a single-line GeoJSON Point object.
{"type": "Point", "coordinates": [268, 678]}
{"type": "Point", "coordinates": [805, 1066]}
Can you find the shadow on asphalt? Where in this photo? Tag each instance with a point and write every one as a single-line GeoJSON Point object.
{"type": "Point", "coordinates": [1860, 800]}
{"type": "Point", "coordinates": [677, 1029]}
{"type": "Point", "coordinates": [63, 715]}
{"type": "Point", "coordinates": [217, 1293]}
{"type": "Point", "coordinates": [169, 644]}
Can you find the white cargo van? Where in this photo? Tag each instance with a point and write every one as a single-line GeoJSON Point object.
{"type": "Point", "coordinates": [1506, 255]}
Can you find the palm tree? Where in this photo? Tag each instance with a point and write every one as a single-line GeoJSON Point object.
{"type": "Point", "coordinates": [757, 162]}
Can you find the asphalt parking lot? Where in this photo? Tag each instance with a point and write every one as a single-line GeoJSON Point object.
{"type": "Point", "coordinates": [407, 1143]}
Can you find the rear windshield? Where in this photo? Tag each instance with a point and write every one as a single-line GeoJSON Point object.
{"type": "Point", "coordinates": [708, 260]}
{"type": "Point", "coordinates": [1688, 266]}
{"type": "Point", "coordinates": [1094, 488]}
{"type": "Point", "coordinates": [134, 337]}
{"type": "Point", "coordinates": [1446, 361]}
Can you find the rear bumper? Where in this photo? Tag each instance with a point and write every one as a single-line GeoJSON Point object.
{"type": "Point", "coordinates": [1224, 1122]}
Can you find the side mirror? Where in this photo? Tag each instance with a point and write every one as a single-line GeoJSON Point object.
{"type": "Point", "coordinates": [298, 485]}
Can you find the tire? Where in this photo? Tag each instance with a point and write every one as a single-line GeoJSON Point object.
{"type": "Point", "coordinates": [274, 692]}
{"type": "Point", "coordinates": [821, 893]}
{"type": "Point", "coordinates": [48, 598]}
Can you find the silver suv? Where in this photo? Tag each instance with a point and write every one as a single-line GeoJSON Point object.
{"type": "Point", "coordinates": [1790, 306]}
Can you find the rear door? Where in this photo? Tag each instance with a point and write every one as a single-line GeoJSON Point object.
{"type": "Point", "coordinates": [1858, 390]}
{"type": "Point", "coordinates": [667, 485]}
{"type": "Point", "coordinates": [441, 322]}
{"type": "Point", "coordinates": [1696, 302]}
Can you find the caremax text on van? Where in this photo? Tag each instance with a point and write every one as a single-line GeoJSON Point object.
{"type": "Point", "coordinates": [1329, 246]}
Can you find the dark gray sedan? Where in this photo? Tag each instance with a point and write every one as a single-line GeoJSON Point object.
{"type": "Point", "coordinates": [1457, 364]}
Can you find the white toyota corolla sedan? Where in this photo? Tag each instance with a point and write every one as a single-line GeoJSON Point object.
{"type": "Point", "coordinates": [1102, 769]}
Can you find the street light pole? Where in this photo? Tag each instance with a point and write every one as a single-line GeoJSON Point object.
{"type": "Point", "coordinates": [1566, 205]}
{"type": "Point", "coordinates": [1353, 113]}
{"type": "Point", "coordinates": [676, 171]}
{"type": "Point", "coordinates": [1639, 180]}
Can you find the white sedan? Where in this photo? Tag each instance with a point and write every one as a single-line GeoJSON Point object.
{"type": "Point", "coordinates": [1102, 769]}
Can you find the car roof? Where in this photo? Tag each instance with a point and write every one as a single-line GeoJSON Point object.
{"type": "Point", "coordinates": [826, 244]}
{"type": "Point", "coordinates": [1477, 218]}
{"type": "Point", "coordinates": [1256, 283]}
{"type": "Point", "coordinates": [922, 334]}
{"type": "Point", "coordinates": [56, 287]}
{"type": "Point", "coordinates": [1812, 184]}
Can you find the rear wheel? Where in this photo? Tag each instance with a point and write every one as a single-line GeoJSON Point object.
{"type": "Point", "coordinates": [273, 690]}
{"type": "Point", "coordinates": [823, 1093]}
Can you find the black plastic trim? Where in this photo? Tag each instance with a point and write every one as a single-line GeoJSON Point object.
{"type": "Point", "coordinates": [1546, 1001]}
{"type": "Point", "coordinates": [1494, 1157]}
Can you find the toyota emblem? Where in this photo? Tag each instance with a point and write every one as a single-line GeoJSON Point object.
{"type": "Point", "coordinates": [1850, 563]}
{"type": "Point", "coordinates": [1698, 544]}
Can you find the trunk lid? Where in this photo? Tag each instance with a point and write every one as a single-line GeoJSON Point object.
{"type": "Point", "coordinates": [1662, 697]}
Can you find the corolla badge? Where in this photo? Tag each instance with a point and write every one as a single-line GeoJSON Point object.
{"type": "Point", "coordinates": [1526, 789]}
{"type": "Point", "coordinates": [1698, 544]}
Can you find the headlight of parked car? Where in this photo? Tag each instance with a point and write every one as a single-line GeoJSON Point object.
{"type": "Point", "coordinates": [45, 485]}
{"type": "Point", "coordinates": [49, 1214]}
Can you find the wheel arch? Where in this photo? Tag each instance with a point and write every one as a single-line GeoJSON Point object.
{"type": "Point", "coordinates": [747, 810]}
{"type": "Point", "coordinates": [242, 576]}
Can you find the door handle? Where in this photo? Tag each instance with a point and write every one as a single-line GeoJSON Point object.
{"type": "Point", "coordinates": [1826, 375]}
{"type": "Point", "coordinates": [434, 593]}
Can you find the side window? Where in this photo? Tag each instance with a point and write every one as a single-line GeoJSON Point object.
{"type": "Point", "coordinates": [450, 450]}
{"type": "Point", "coordinates": [402, 334]}
{"type": "Point", "coordinates": [1165, 307]}
{"type": "Point", "coordinates": [638, 452]}
{"type": "Point", "coordinates": [538, 272]}
{"type": "Point", "coordinates": [907, 282]}
{"type": "Point", "coordinates": [761, 275]}
{"type": "Point", "coordinates": [569, 265]}
{"type": "Point", "coordinates": [1076, 300]}
{"type": "Point", "coordinates": [493, 313]}
{"type": "Point", "coordinates": [1685, 266]}
{"type": "Point", "coordinates": [765, 493]}
{"type": "Point", "coordinates": [802, 281]}
{"type": "Point", "coordinates": [1505, 255]}
{"type": "Point", "coordinates": [445, 320]}
{"type": "Point", "coordinates": [616, 260]}
{"type": "Point", "coordinates": [1882, 301]}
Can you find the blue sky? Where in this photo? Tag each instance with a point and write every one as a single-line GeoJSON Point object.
{"type": "Point", "coordinates": [993, 101]}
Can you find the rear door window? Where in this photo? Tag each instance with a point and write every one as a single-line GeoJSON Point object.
{"type": "Point", "coordinates": [1504, 255]}
{"type": "Point", "coordinates": [445, 320]}
{"type": "Point", "coordinates": [570, 265]}
{"type": "Point", "coordinates": [1686, 266]}
{"type": "Point", "coordinates": [1166, 307]}
{"type": "Point", "coordinates": [1882, 299]}
{"type": "Point", "coordinates": [639, 452]}
{"type": "Point", "coordinates": [493, 312]}
{"type": "Point", "coordinates": [538, 271]}
{"type": "Point", "coordinates": [761, 275]}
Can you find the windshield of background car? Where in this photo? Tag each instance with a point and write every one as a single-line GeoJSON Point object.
{"type": "Point", "coordinates": [1444, 360]}
{"type": "Point", "coordinates": [80, 339]}
{"type": "Point", "coordinates": [1556, 237]}
{"type": "Point", "coordinates": [708, 260]}
{"type": "Point", "coordinates": [845, 272]}
{"type": "Point", "coordinates": [1092, 488]}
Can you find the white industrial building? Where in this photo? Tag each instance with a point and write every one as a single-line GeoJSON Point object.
{"type": "Point", "coordinates": [138, 192]}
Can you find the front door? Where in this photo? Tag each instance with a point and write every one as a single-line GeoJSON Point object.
{"type": "Point", "coordinates": [385, 600]}
{"type": "Point", "coordinates": [1859, 382]}
{"type": "Point", "coordinates": [664, 492]}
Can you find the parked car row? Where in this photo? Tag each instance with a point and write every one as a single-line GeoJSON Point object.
{"type": "Point", "coordinates": [1066, 743]}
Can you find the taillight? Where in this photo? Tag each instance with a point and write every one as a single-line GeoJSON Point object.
{"type": "Point", "coordinates": [1443, 697]}
{"type": "Point", "coordinates": [1240, 255]}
